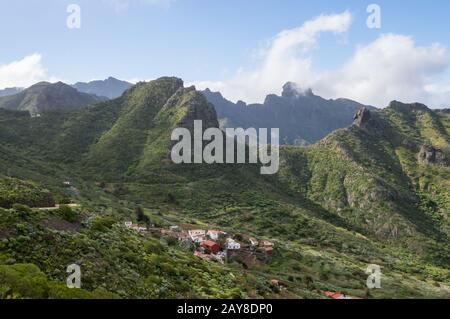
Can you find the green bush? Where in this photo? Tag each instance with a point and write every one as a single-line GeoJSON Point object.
{"type": "Point", "coordinates": [68, 213]}
{"type": "Point", "coordinates": [102, 223]}
{"type": "Point", "coordinates": [21, 208]}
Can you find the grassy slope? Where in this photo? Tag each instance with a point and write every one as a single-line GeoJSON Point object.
{"type": "Point", "coordinates": [326, 209]}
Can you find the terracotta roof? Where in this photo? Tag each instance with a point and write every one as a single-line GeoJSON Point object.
{"type": "Point", "coordinates": [209, 243]}
{"type": "Point", "coordinates": [333, 295]}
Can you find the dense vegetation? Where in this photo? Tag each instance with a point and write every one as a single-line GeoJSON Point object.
{"type": "Point", "coordinates": [360, 196]}
{"type": "Point", "coordinates": [14, 191]}
{"type": "Point", "coordinates": [47, 96]}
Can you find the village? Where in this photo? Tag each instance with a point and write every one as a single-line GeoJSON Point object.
{"type": "Point", "coordinates": [215, 245]}
{"type": "Point", "coordinates": [219, 246]}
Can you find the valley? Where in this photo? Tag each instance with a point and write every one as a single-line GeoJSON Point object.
{"type": "Point", "coordinates": [374, 192]}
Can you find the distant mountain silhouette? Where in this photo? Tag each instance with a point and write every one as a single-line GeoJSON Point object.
{"type": "Point", "coordinates": [110, 88]}
{"type": "Point", "coordinates": [48, 96]}
{"type": "Point", "coordinates": [303, 117]}
{"type": "Point", "coordinates": [10, 91]}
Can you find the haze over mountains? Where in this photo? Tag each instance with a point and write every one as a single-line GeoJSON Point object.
{"type": "Point", "coordinates": [110, 88]}
{"type": "Point", "coordinates": [303, 117]}
{"type": "Point", "coordinates": [10, 91]}
{"type": "Point", "coordinates": [45, 96]}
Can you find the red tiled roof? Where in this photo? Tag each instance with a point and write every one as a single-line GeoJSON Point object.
{"type": "Point", "coordinates": [209, 243]}
{"type": "Point", "coordinates": [333, 295]}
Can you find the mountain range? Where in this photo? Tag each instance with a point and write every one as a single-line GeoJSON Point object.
{"type": "Point", "coordinates": [110, 88]}
{"type": "Point", "coordinates": [10, 91]}
{"type": "Point", "coordinates": [302, 116]}
{"type": "Point", "coordinates": [45, 96]}
{"type": "Point", "coordinates": [373, 191]}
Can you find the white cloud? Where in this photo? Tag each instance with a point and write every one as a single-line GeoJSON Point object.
{"type": "Point", "coordinates": [24, 72]}
{"type": "Point", "coordinates": [392, 67]}
{"type": "Point", "coordinates": [286, 59]}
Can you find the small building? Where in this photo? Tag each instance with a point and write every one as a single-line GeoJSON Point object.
{"type": "Point", "coordinates": [197, 235]}
{"type": "Point", "coordinates": [335, 295]}
{"type": "Point", "coordinates": [211, 246]}
{"type": "Point", "coordinates": [215, 234]}
{"type": "Point", "coordinates": [232, 244]}
{"type": "Point", "coordinates": [135, 227]}
{"type": "Point", "coordinates": [221, 255]}
{"type": "Point", "coordinates": [175, 228]}
{"type": "Point", "coordinates": [274, 282]}
{"type": "Point", "coordinates": [128, 224]}
{"type": "Point", "coordinates": [253, 241]}
{"type": "Point", "coordinates": [266, 243]}
{"type": "Point", "coordinates": [183, 236]}
{"type": "Point", "coordinates": [267, 250]}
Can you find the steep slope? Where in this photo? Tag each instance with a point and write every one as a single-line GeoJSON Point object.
{"type": "Point", "coordinates": [373, 174]}
{"type": "Point", "coordinates": [46, 96]}
{"type": "Point", "coordinates": [355, 198]}
{"type": "Point", "coordinates": [138, 129]}
{"type": "Point", "coordinates": [303, 118]}
{"type": "Point", "coordinates": [14, 191]}
{"type": "Point", "coordinates": [110, 87]}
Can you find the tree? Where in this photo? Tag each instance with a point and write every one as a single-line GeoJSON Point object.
{"type": "Point", "coordinates": [68, 214]}
{"type": "Point", "coordinates": [141, 217]}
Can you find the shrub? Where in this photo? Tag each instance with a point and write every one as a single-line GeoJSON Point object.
{"type": "Point", "coordinates": [68, 214]}
{"type": "Point", "coordinates": [102, 223]}
{"type": "Point", "coordinates": [21, 208]}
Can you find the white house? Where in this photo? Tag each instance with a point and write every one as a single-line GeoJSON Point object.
{"type": "Point", "coordinates": [214, 234]}
{"type": "Point", "coordinates": [232, 244]}
{"type": "Point", "coordinates": [197, 235]}
{"type": "Point", "coordinates": [128, 224]}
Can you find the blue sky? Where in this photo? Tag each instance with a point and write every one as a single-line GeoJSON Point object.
{"type": "Point", "coordinates": [207, 42]}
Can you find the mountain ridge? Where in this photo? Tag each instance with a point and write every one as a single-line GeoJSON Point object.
{"type": "Point", "coordinates": [359, 196]}
{"type": "Point", "coordinates": [44, 96]}
{"type": "Point", "coordinates": [110, 87]}
{"type": "Point", "coordinates": [302, 116]}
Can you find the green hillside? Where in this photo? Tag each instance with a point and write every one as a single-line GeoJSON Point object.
{"type": "Point", "coordinates": [373, 193]}
{"type": "Point", "coordinates": [14, 191]}
{"type": "Point", "coordinates": [46, 96]}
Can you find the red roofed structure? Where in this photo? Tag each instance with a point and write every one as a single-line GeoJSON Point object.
{"type": "Point", "coordinates": [212, 246]}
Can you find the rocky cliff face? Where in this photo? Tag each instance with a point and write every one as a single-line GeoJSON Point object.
{"type": "Point", "coordinates": [198, 108]}
{"type": "Point", "coordinates": [361, 117]}
{"type": "Point", "coordinates": [430, 155]}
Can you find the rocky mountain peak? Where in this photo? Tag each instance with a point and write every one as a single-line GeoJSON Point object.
{"type": "Point", "coordinates": [292, 90]}
{"type": "Point", "coordinates": [361, 117]}
{"type": "Point", "coordinates": [198, 108]}
{"type": "Point", "coordinates": [408, 107]}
